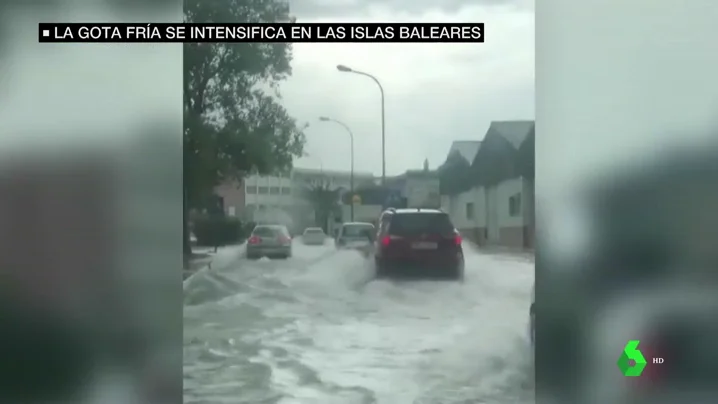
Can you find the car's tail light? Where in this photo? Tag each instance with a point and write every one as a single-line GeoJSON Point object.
{"type": "Point", "coordinates": [386, 241]}
{"type": "Point", "coordinates": [457, 239]}
{"type": "Point", "coordinates": [254, 240]}
{"type": "Point", "coordinates": [284, 239]}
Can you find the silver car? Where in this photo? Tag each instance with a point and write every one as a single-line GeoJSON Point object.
{"type": "Point", "coordinates": [314, 236]}
{"type": "Point", "coordinates": [355, 235]}
{"type": "Point", "coordinates": [269, 241]}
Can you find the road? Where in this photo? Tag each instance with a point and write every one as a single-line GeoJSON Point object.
{"type": "Point", "coordinates": [317, 329]}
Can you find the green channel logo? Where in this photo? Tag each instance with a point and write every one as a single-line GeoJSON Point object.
{"type": "Point", "coordinates": [631, 354]}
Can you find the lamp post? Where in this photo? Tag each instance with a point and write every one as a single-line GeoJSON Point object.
{"type": "Point", "coordinates": [351, 170]}
{"type": "Point", "coordinates": [346, 69]}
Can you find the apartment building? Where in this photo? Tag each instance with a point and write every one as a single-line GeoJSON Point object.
{"type": "Point", "coordinates": [268, 199]}
{"type": "Point", "coordinates": [281, 199]}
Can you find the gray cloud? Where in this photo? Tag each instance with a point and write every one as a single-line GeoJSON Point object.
{"type": "Point", "coordinates": [435, 93]}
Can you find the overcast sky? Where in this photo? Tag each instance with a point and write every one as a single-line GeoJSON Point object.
{"type": "Point", "coordinates": [435, 93]}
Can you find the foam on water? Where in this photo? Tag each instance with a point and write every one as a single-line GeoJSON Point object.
{"type": "Point", "coordinates": [328, 333]}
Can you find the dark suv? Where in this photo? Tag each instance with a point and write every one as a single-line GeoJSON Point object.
{"type": "Point", "coordinates": [418, 242]}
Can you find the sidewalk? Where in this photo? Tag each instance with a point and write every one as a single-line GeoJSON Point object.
{"type": "Point", "coordinates": [521, 253]}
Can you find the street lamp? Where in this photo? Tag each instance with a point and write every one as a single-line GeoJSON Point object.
{"type": "Point", "coordinates": [347, 69]}
{"type": "Point", "coordinates": [351, 173]}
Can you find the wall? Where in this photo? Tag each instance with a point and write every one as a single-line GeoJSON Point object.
{"type": "Point", "coordinates": [234, 198]}
{"type": "Point", "coordinates": [498, 226]}
{"type": "Point", "coordinates": [472, 228]}
{"type": "Point", "coordinates": [504, 191]}
{"type": "Point", "coordinates": [446, 203]}
{"type": "Point", "coordinates": [362, 213]}
{"type": "Point", "coordinates": [268, 191]}
{"type": "Point", "coordinates": [422, 192]}
{"type": "Point", "coordinates": [511, 228]}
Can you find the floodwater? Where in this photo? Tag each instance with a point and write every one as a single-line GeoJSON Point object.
{"type": "Point", "coordinates": [317, 328]}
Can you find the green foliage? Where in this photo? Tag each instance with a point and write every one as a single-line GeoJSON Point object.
{"type": "Point", "coordinates": [218, 230]}
{"type": "Point", "coordinates": [454, 174]}
{"type": "Point", "coordinates": [234, 121]}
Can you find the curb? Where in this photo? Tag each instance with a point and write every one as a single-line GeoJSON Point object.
{"type": "Point", "coordinates": [189, 273]}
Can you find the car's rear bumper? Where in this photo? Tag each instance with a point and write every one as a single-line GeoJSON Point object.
{"type": "Point", "coordinates": [410, 268]}
{"type": "Point", "coordinates": [255, 251]}
{"type": "Point", "coordinates": [314, 242]}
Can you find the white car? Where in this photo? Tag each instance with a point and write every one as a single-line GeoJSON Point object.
{"type": "Point", "coordinates": [355, 235]}
{"type": "Point", "coordinates": [314, 236]}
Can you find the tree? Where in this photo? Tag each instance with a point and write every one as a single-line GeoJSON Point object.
{"type": "Point", "coordinates": [453, 174]}
{"type": "Point", "coordinates": [325, 202]}
{"type": "Point", "coordinates": [234, 122]}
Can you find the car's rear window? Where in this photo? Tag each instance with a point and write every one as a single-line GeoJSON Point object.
{"type": "Point", "coordinates": [421, 222]}
{"type": "Point", "coordinates": [356, 230]}
{"type": "Point", "coordinates": [266, 231]}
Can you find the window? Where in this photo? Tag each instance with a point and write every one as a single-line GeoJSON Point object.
{"type": "Point", "coordinates": [251, 189]}
{"type": "Point", "coordinates": [515, 205]}
{"type": "Point", "coordinates": [417, 223]}
{"type": "Point", "coordinates": [266, 231]}
{"type": "Point", "coordinates": [274, 190]}
{"type": "Point", "coordinates": [262, 190]}
{"type": "Point", "coordinates": [470, 210]}
{"type": "Point", "coordinates": [286, 191]}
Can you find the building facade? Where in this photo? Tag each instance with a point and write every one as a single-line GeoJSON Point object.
{"type": "Point", "coordinates": [268, 199]}
{"type": "Point", "coordinates": [502, 213]}
{"type": "Point", "coordinates": [303, 179]}
{"type": "Point", "coordinates": [233, 197]}
{"type": "Point", "coordinates": [282, 199]}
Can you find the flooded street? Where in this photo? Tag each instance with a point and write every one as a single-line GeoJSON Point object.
{"type": "Point", "coordinates": [316, 328]}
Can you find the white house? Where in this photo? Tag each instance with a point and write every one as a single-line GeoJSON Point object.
{"type": "Point", "coordinates": [502, 214]}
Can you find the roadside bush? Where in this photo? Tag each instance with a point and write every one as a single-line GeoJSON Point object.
{"type": "Point", "coordinates": [218, 230]}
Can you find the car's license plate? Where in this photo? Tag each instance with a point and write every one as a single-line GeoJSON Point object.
{"type": "Point", "coordinates": [424, 246]}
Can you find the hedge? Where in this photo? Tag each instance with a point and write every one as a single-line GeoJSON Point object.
{"type": "Point", "coordinates": [218, 230]}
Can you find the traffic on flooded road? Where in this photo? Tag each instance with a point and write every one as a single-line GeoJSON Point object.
{"type": "Point", "coordinates": [320, 328]}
